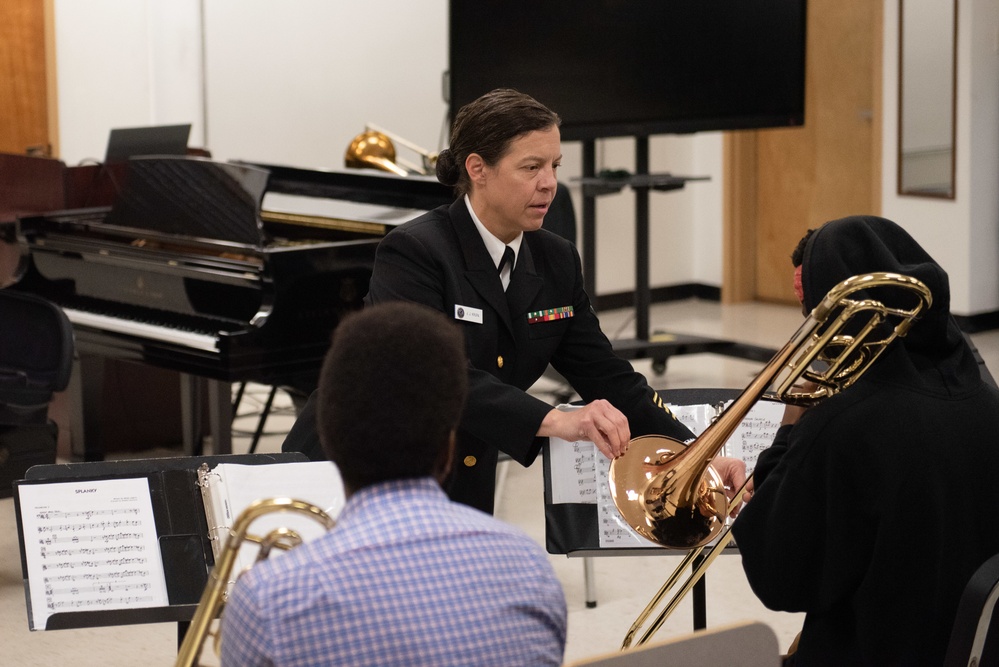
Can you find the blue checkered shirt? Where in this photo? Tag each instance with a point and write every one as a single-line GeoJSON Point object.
{"type": "Point", "coordinates": [406, 577]}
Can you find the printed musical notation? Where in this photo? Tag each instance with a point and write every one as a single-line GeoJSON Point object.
{"type": "Point", "coordinates": [574, 471]}
{"type": "Point", "coordinates": [755, 433]}
{"type": "Point", "coordinates": [89, 546]}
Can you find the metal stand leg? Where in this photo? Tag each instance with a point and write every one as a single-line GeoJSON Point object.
{"type": "Point", "coordinates": [700, 598]}
{"type": "Point", "coordinates": [590, 582]}
{"type": "Point", "coordinates": [263, 419]}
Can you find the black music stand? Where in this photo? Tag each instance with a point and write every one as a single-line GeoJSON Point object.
{"type": "Point", "coordinates": [181, 527]}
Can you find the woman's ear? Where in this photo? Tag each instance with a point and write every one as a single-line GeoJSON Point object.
{"type": "Point", "coordinates": [475, 166]}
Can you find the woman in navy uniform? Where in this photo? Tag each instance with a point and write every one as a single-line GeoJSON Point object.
{"type": "Point", "coordinates": [517, 291]}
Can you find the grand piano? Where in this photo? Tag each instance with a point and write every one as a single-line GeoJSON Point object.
{"type": "Point", "coordinates": [226, 272]}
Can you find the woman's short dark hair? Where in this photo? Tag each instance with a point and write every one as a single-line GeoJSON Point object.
{"type": "Point", "coordinates": [486, 126]}
{"type": "Point", "coordinates": [391, 392]}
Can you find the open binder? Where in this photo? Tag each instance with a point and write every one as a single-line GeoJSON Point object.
{"type": "Point", "coordinates": [126, 542]}
{"type": "Point", "coordinates": [580, 516]}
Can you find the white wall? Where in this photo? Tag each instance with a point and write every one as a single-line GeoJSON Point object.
{"type": "Point", "coordinates": [962, 234]}
{"type": "Point", "coordinates": [293, 82]}
{"type": "Point", "coordinates": [125, 63]}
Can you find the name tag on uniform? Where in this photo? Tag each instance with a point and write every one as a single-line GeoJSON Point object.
{"type": "Point", "coordinates": [468, 314]}
{"type": "Point", "coordinates": [549, 314]}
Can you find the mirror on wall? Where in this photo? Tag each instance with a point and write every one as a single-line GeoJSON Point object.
{"type": "Point", "coordinates": [927, 73]}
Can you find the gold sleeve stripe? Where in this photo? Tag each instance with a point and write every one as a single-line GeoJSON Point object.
{"type": "Point", "coordinates": [659, 402]}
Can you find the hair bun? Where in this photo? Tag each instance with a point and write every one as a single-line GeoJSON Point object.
{"type": "Point", "coordinates": [447, 168]}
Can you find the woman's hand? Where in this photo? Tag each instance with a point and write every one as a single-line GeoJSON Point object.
{"type": "Point", "coordinates": [599, 422]}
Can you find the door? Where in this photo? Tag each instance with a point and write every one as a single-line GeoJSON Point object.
{"type": "Point", "coordinates": [23, 83]}
{"type": "Point", "coordinates": [781, 182]}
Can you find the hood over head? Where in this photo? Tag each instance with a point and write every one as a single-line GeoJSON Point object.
{"type": "Point", "coordinates": [866, 244]}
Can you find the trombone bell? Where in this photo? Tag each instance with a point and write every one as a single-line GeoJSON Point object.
{"type": "Point", "coordinates": [659, 512]}
{"type": "Point", "coordinates": [375, 148]}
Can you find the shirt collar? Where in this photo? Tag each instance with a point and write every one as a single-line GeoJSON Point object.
{"type": "Point", "coordinates": [494, 246]}
{"type": "Point", "coordinates": [365, 496]}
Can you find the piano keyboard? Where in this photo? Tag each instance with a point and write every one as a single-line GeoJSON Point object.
{"type": "Point", "coordinates": [190, 339]}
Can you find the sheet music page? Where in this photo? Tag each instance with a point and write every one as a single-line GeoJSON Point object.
{"type": "Point", "coordinates": [755, 433]}
{"type": "Point", "coordinates": [315, 482]}
{"type": "Point", "coordinates": [695, 417]}
{"type": "Point", "coordinates": [614, 531]}
{"type": "Point", "coordinates": [573, 471]}
{"type": "Point", "coordinates": [90, 546]}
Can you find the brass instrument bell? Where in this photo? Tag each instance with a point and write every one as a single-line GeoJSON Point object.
{"type": "Point", "coordinates": [375, 148]}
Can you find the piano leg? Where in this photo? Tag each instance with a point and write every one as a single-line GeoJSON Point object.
{"type": "Point", "coordinates": [220, 415]}
{"type": "Point", "coordinates": [190, 413]}
{"type": "Point", "coordinates": [86, 390]}
{"type": "Point", "coordinates": [219, 396]}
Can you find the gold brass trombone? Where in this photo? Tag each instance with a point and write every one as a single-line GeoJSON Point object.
{"type": "Point", "coordinates": [215, 593]}
{"type": "Point", "coordinates": [375, 148]}
{"type": "Point", "coordinates": [669, 493]}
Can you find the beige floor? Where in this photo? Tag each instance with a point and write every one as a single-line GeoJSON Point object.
{"type": "Point", "coordinates": [623, 585]}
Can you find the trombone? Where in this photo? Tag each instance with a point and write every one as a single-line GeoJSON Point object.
{"type": "Point", "coordinates": [669, 493]}
{"type": "Point", "coordinates": [375, 148]}
{"type": "Point", "coordinates": [214, 596]}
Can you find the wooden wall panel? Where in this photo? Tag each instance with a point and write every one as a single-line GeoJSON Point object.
{"type": "Point", "coordinates": [24, 103]}
{"type": "Point", "coordinates": [805, 176]}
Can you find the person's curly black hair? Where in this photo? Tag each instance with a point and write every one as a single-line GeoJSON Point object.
{"type": "Point", "coordinates": [391, 392]}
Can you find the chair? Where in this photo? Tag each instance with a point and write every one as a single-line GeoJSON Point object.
{"type": "Point", "coordinates": [974, 640]}
{"type": "Point", "coordinates": [749, 644]}
{"type": "Point", "coordinates": [561, 216]}
{"type": "Point", "coordinates": [36, 359]}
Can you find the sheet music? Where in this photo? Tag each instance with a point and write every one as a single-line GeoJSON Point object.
{"type": "Point", "coordinates": [573, 471]}
{"type": "Point", "coordinates": [614, 531]}
{"type": "Point", "coordinates": [755, 433]}
{"type": "Point", "coordinates": [90, 546]}
{"type": "Point", "coordinates": [695, 417]}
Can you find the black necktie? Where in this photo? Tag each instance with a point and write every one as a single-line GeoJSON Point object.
{"type": "Point", "coordinates": [507, 259]}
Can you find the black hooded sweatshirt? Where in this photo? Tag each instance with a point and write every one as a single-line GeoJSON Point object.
{"type": "Point", "coordinates": [873, 511]}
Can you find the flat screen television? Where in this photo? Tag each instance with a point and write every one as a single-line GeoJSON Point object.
{"type": "Point", "coordinates": [635, 67]}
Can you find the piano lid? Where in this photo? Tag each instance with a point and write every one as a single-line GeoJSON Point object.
{"type": "Point", "coordinates": [192, 197]}
{"type": "Point", "coordinates": [365, 186]}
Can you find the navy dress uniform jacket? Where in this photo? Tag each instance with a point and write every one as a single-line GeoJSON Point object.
{"type": "Point", "coordinates": [439, 260]}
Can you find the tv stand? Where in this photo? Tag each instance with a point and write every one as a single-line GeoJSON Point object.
{"type": "Point", "coordinates": [660, 345]}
